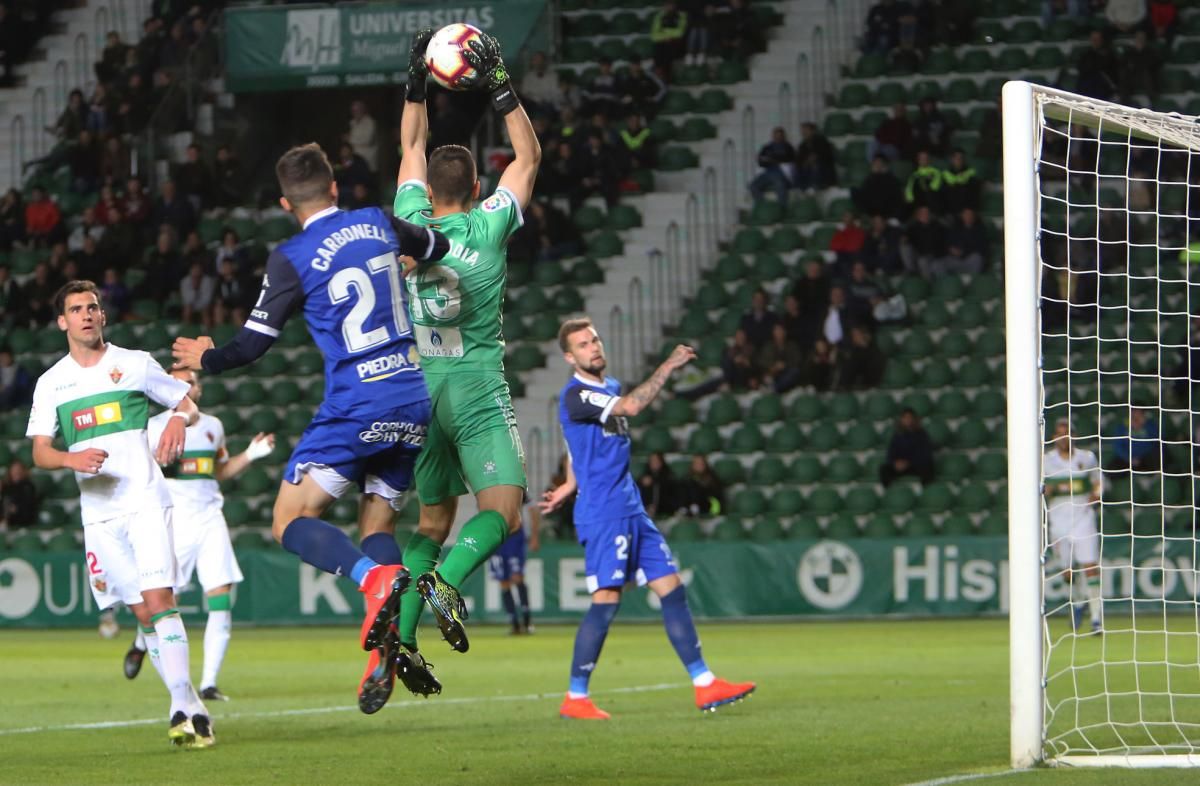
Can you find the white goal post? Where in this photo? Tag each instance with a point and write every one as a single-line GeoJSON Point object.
{"type": "Point", "coordinates": [1102, 288]}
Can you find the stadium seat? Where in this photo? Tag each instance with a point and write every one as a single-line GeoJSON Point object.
{"type": "Point", "coordinates": [766, 530]}
{"type": "Point", "coordinates": [606, 243]}
{"type": "Point", "coordinates": [25, 541]}
{"type": "Point", "coordinates": [974, 498]}
{"type": "Point", "coordinates": [283, 393]}
{"type": "Point", "coordinates": [939, 61]}
{"type": "Point", "coordinates": [890, 93]}
{"type": "Point", "coordinates": [994, 524]}
{"type": "Point", "coordinates": [746, 439]}
{"type": "Point", "coordinates": [805, 469]}
{"type": "Point", "coordinates": [919, 525]}
{"type": "Point", "coordinates": [879, 406]}
{"type": "Point", "coordinates": [704, 440]}
{"type": "Point", "coordinates": [786, 502]}
{"type": "Point", "coordinates": [249, 540]}
{"type": "Point", "coordinates": [263, 420]}
{"type": "Point", "coordinates": [899, 498]}
{"type": "Point", "coordinates": [237, 511]}
{"type": "Point", "coordinates": [843, 468]}
{"type": "Point", "coordinates": [824, 500]}
{"type": "Point", "coordinates": [854, 95]}
{"type": "Point", "coordinates": [804, 528]}
{"type": "Point", "coordinates": [860, 437]}
{"type": "Point", "coordinates": [727, 530]}
{"type": "Point", "coordinates": [749, 241]}
{"type": "Point", "coordinates": [878, 526]}
{"type": "Point", "coordinates": [587, 271]}
{"type": "Point", "coordinates": [823, 437]}
{"type": "Point", "coordinates": [769, 267]}
{"type": "Point", "coordinates": [676, 412]}
{"type": "Point", "coordinates": [806, 409]}
{"type": "Point", "coordinates": [787, 438]}
{"type": "Point", "coordinates": [767, 408]}
{"type": "Point", "coordinates": [768, 471]}
{"type": "Point", "coordinates": [729, 470]}
{"type": "Point", "coordinates": [248, 392]}
{"type": "Point", "coordinates": [936, 498]}
{"type": "Point", "coordinates": [842, 527]}
{"type": "Point", "coordinates": [842, 408]}
{"type": "Point", "coordinates": [714, 101]}
{"type": "Point", "coordinates": [685, 531]}
{"type": "Point", "coordinates": [748, 502]}
{"type": "Point", "coordinates": [722, 410]}
{"type": "Point", "coordinates": [657, 439]}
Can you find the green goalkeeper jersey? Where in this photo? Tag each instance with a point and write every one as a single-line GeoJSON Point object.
{"type": "Point", "coordinates": [456, 302]}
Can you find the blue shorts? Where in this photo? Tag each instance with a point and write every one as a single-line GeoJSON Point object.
{"type": "Point", "coordinates": [375, 453]}
{"type": "Point", "coordinates": [623, 550]}
{"type": "Point", "coordinates": [509, 559]}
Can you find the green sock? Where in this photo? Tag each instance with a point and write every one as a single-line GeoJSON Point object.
{"type": "Point", "coordinates": [479, 539]}
{"type": "Point", "coordinates": [420, 556]}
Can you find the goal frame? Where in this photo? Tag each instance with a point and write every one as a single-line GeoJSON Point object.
{"type": "Point", "coordinates": [1025, 433]}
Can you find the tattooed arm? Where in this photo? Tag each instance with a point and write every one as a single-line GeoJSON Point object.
{"type": "Point", "coordinates": [640, 397]}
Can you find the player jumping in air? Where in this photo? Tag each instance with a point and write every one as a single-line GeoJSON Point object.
{"type": "Point", "coordinates": [456, 310]}
{"type": "Point", "coordinates": [507, 567]}
{"type": "Point", "coordinates": [621, 543]}
{"type": "Point", "coordinates": [98, 399]}
{"type": "Point", "coordinates": [201, 534]}
{"type": "Point", "coordinates": [342, 270]}
{"type": "Point", "coordinates": [1072, 489]}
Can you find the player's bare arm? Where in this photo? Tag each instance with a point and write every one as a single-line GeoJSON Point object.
{"type": "Point", "coordinates": [634, 402]}
{"type": "Point", "coordinates": [170, 444]}
{"type": "Point", "coordinates": [414, 121]}
{"type": "Point", "coordinates": [189, 351]}
{"type": "Point", "coordinates": [261, 445]}
{"type": "Point", "coordinates": [46, 456]}
{"type": "Point", "coordinates": [553, 499]}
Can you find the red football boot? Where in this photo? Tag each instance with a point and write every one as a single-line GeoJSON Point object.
{"type": "Point", "coordinates": [581, 709]}
{"type": "Point", "coordinates": [720, 692]}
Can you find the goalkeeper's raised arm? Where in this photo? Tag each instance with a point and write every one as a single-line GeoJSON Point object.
{"type": "Point", "coordinates": [414, 120]}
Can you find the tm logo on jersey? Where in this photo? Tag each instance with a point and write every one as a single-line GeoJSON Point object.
{"type": "Point", "coordinates": [394, 431]}
{"type": "Point", "coordinates": [386, 366]}
{"type": "Point", "coordinates": [96, 416]}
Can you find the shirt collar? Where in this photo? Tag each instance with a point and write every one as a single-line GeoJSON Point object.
{"type": "Point", "coordinates": [587, 381]}
{"type": "Point", "coordinates": [329, 211]}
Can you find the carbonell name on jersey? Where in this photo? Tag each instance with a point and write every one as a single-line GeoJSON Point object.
{"type": "Point", "coordinates": [394, 431]}
{"type": "Point", "coordinates": [336, 240]}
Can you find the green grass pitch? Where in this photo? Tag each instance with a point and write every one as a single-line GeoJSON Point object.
{"type": "Point", "coordinates": [838, 703]}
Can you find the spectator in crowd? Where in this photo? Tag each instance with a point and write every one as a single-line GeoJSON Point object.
{"type": "Point", "coordinates": [539, 85]}
{"type": "Point", "coordinates": [777, 159]}
{"type": "Point", "coordinates": [193, 180]}
{"type": "Point", "coordinates": [137, 204]}
{"type": "Point", "coordinates": [990, 141]}
{"type": "Point", "coordinates": [19, 498]}
{"type": "Point", "coordinates": [39, 290]}
{"type": "Point", "coordinates": [43, 220]}
{"type": "Point", "coordinates": [119, 242]}
{"type": "Point", "coordinates": [173, 210]}
{"type": "Point", "coordinates": [1136, 445]}
{"type": "Point", "coordinates": [893, 139]}
{"type": "Point", "coordinates": [880, 192]}
{"type": "Point", "coordinates": [815, 167]}
{"type": "Point", "coordinates": [597, 165]}
{"type": "Point", "coordinates": [667, 30]}
{"type": "Point", "coordinates": [863, 294]}
{"type": "Point", "coordinates": [847, 241]}
{"type": "Point", "coordinates": [101, 111]}
{"type": "Point", "coordinates": [162, 265]}
{"type": "Point", "coordinates": [89, 261]}
{"type": "Point", "coordinates": [883, 27]}
{"type": "Point", "coordinates": [349, 170]}
{"type": "Point", "coordinates": [106, 205]}
{"type": "Point", "coordinates": [836, 319]}
{"type": "Point", "coordinates": [448, 123]}
{"type": "Point", "coordinates": [642, 91]}
{"type": "Point", "coordinates": [660, 492]}
{"type": "Point", "coordinates": [12, 219]}
{"type": "Point", "coordinates": [362, 135]}
{"type": "Point", "coordinates": [83, 159]}
{"type": "Point", "coordinates": [924, 242]}
{"type": "Point", "coordinates": [861, 363]}
{"type": "Point", "coordinates": [556, 237]}
{"type": "Point", "coordinates": [115, 295]}
{"type": "Point", "coordinates": [704, 493]}
{"type": "Point", "coordinates": [1164, 19]}
{"type": "Point", "coordinates": [966, 246]}
{"type": "Point", "coordinates": [758, 322]}
{"type": "Point", "coordinates": [960, 184]}
{"type": "Point", "coordinates": [703, 24]}
{"type": "Point", "coordinates": [909, 453]}
{"type": "Point", "coordinates": [568, 98]}
{"type": "Point", "coordinates": [12, 300]}
{"type": "Point", "coordinates": [235, 294]}
{"type": "Point", "coordinates": [170, 113]}
{"type": "Point", "coordinates": [204, 53]}
{"type": "Point", "coordinates": [560, 173]}
{"type": "Point", "coordinates": [172, 55]}
{"type": "Point", "coordinates": [906, 58]}
{"type": "Point", "coordinates": [602, 94]}
{"type": "Point", "coordinates": [924, 185]}
{"type": "Point", "coordinates": [781, 360]}
{"type": "Point", "coordinates": [88, 227]}
{"type": "Point", "coordinates": [231, 248]}
{"type": "Point", "coordinates": [1097, 68]}
{"type": "Point", "coordinates": [133, 107]}
{"type": "Point", "coordinates": [741, 34]}
{"type": "Point", "coordinates": [820, 365]}
{"type": "Point", "coordinates": [639, 148]}
{"type": "Point", "coordinates": [931, 130]}
{"type": "Point", "coordinates": [72, 120]}
{"type": "Point", "coordinates": [114, 161]}
{"type": "Point", "coordinates": [1075, 9]}
{"type": "Point", "coordinates": [797, 324]}
{"type": "Point", "coordinates": [1141, 67]}
{"type": "Point", "coordinates": [194, 250]}
{"type": "Point", "coordinates": [16, 384]}
{"type": "Point", "coordinates": [739, 364]}
{"type": "Point", "coordinates": [196, 294]}
{"type": "Point", "coordinates": [881, 248]}
{"type": "Point", "coordinates": [150, 44]}
{"type": "Point", "coordinates": [229, 181]}
{"type": "Point", "coordinates": [951, 22]}
{"type": "Point", "coordinates": [812, 289]}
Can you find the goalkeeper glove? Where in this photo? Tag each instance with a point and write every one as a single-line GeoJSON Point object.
{"type": "Point", "coordinates": [490, 73]}
{"type": "Point", "coordinates": [418, 71]}
{"type": "Point", "coordinates": [260, 446]}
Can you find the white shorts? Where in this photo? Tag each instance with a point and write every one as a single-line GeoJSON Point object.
{"type": "Point", "coordinates": [202, 544]}
{"type": "Point", "coordinates": [129, 554]}
{"type": "Point", "coordinates": [1074, 536]}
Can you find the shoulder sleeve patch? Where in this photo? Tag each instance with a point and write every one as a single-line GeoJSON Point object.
{"type": "Point", "coordinates": [497, 201]}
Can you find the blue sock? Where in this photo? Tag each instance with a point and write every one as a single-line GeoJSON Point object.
{"type": "Point", "coordinates": [681, 630]}
{"type": "Point", "coordinates": [327, 548]}
{"type": "Point", "coordinates": [523, 599]}
{"type": "Point", "coordinates": [588, 642]}
{"type": "Point", "coordinates": [510, 605]}
{"type": "Point", "coordinates": [383, 548]}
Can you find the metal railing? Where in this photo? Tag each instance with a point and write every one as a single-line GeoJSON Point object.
{"type": "Point", "coordinates": [82, 62]}
{"type": "Point", "coordinates": [38, 121]}
{"type": "Point", "coordinates": [16, 150]}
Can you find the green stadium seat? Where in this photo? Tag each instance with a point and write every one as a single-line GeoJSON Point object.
{"type": "Point", "coordinates": [767, 408]}
{"type": "Point", "coordinates": [805, 469]}
{"type": "Point", "coordinates": [804, 528]}
{"type": "Point", "coordinates": [722, 410]}
{"type": "Point", "coordinates": [786, 502]}
{"type": "Point", "coordinates": [879, 406]}
{"type": "Point", "coordinates": [973, 373]}
{"type": "Point", "coordinates": [940, 61]}
{"type": "Point", "coordinates": [991, 466]}
{"type": "Point", "coordinates": [839, 124]}
{"type": "Point", "coordinates": [843, 527]}
{"type": "Point", "coordinates": [788, 438]}
{"type": "Point", "coordinates": [843, 468]}
{"type": "Point", "coordinates": [748, 502]}
{"type": "Point", "coordinates": [767, 530]}
{"type": "Point", "coordinates": [971, 434]}
{"type": "Point", "coordinates": [899, 498]}
{"type": "Point", "coordinates": [26, 541]}
{"type": "Point", "coordinates": [879, 526]}
{"type": "Point", "coordinates": [806, 409]}
{"type": "Point", "coordinates": [823, 437]}
{"type": "Point", "coordinates": [975, 61]}
{"type": "Point", "coordinates": [961, 91]}
{"type": "Point", "coordinates": [237, 511]}
{"type": "Point", "coordinates": [608, 243]}
{"type": "Point", "coordinates": [696, 129]}
{"type": "Point", "coordinates": [284, 393]}
{"type": "Point", "coordinates": [623, 217]}
{"type": "Point", "coordinates": [953, 404]}
{"type": "Point", "coordinates": [729, 470]}
{"type": "Point", "coordinates": [262, 420]}
{"type": "Point", "coordinates": [823, 501]}
{"type": "Point", "coordinates": [714, 101]}
{"type": "Point", "coordinates": [955, 345]}
{"type": "Point", "coordinates": [936, 498]}
{"type": "Point", "coordinates": [861, 498]}
{"type": "Point", "coordinates": [247, 392]}
{"type": "Point", "coordinates": [1013, 59]}
{"type": "Point", "coordinates": [890, 93]}
{"type": "Point", "coordinates": [854, 95]}
{"type": "Point", "coordinates": [995, 524]}
{"type": "Point", "coordinates": [746, 439]}
{"type": "Point", "coordinates": [974, 498]}
{"type": "Point", "coordinates": [676, 412]}
{"type": "Point", "coordinates": [657, 439]}
{"type": "Point", "coordinates": [249, 540]}
{"type": "Point", "coordinates": [861, 436]}
{"type": "Point", "coordinates": [63, 542]}
{"type": "Point", "coordinates": [704, 440]}
{"type": "Point", "coordinates": [919, 525]}
{"type": "Point", "coordinates": [749, 241]}
{"type": "Point", "coordinates": [842, 408]}
{"type": "Point", "coordinates": [727, 530]}
{"type": "Point", "coordinates": [685, 531]}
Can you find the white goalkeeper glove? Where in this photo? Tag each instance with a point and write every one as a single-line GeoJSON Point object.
{"type": "Point", "coordinates": [260, 446]}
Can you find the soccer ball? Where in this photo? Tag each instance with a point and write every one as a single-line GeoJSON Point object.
{"type": "Point", "coordinates": [444, 56]}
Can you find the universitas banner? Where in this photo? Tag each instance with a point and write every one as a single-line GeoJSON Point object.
{"type": "Point", "coordinates": [794, 578]}
{"type": "Point", "coordinates": [354, 44]}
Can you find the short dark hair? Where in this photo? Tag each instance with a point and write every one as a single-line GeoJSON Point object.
{"type": "Point", "coordinates": [569, 327]}
{"type": "Point", "coordinates": [451, 174]}
{"type": "Point", "coordinates": [305, 174]}
{"type": "Point", "coordinates": [75, 287]}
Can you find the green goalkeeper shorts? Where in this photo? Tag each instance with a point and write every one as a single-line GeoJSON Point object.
{"type": "Point", "coordinates": [472, 441]}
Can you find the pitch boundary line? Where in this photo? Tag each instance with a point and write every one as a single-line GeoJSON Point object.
{"type": "Point", "coordinates": [336, 708]}
{"type": "Point", "coordinates": [963, 779]}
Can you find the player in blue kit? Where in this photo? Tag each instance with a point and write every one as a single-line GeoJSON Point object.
{"type": "Point", "coordinates": [507, 567]}
{"type": "Point", "coordinates": [621, 543]}
{"type": "Point", "coordinates": [342, 270]}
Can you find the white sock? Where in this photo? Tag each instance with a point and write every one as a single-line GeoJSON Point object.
{"type": "Point", "coordinates": [216, 641]}
{"type": "Point", "coordinates": [573, 695]}
{"type": "Point", "coordinates": [150, 643]}
{"type": "Point", "coordinates": [173, 649]}
{"type": "Point", "coordinates": [1093, 597]}
{"type": "Point", "coordinates": [140, 641]}
{"type": "Point", "coordinates": [704, 680]}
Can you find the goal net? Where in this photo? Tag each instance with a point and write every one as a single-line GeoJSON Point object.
{"type": "Point", "coordinates": [1102, 259]}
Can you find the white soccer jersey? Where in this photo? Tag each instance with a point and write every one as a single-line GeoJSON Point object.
{"type": "Point", "coordinates": [107, 406]}
{"type": "Point", "coordinates": [192, 479]}
{"type": "Point", "coordinates": [1080, 469]}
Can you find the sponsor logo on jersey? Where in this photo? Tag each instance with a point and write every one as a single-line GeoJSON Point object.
{"type": "Point", "coordinates": [115, 373]}
{"type": "Point", "coordinates": [497, 201]}
{"type": "Point", "coordinates": [618, 574]}
{"type": "Point", "coordinates": [386, 366]}
{"type": "Point", "coordinates": [594, 398]}
{"type": "Point", "coordinates": [196, 466]}
{"type": "Point", "coordinates": [394, 431]}
{"type": "Point", "coordinates": [99, 415]}
{"type": "Point", "coordinates": [489, 467]}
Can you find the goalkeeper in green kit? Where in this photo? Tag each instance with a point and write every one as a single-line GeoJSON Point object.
{"type": "Point", "coordinates": [456, 304]}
